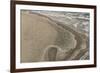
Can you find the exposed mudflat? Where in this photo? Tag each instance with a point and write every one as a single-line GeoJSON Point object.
{"type": "Point", "coordinates": [45, 37]}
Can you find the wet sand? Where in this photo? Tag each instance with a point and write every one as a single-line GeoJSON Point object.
{"type": "Point", "coordinates": [39, 31]}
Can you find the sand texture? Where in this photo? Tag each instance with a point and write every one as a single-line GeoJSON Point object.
{"type": "Point", "coordinates": [48, 36]}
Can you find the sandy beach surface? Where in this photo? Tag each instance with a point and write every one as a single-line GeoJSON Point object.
{"type": "Point", "coordinates": [43, 39]}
